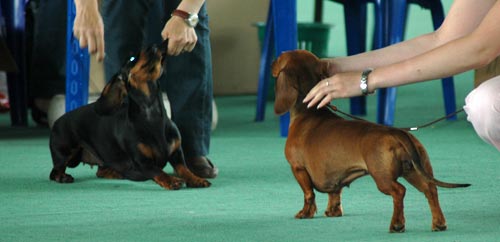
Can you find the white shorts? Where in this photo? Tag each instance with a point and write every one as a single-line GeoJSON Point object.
{"type": "Point", "coordinates": [483, 110]}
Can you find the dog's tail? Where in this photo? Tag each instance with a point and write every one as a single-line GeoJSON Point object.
{"type": "Point", "coordinates": [416, 161]}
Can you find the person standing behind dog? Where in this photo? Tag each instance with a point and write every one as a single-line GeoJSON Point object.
{"type": "Point", "coordinates": [119, 28]}
{"type": "Point", "coordinates": [468, 39]}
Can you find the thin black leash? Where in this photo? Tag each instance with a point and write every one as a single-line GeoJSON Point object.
{"type": "Point", "coordinates": [334, 109]}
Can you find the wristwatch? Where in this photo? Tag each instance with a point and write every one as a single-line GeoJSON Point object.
{"type": "Point", "coordinates": [191, 19]}
{"type": "Point", "coordinates": [364, 81]}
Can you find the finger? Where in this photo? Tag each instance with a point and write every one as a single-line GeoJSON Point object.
{"type": "Point", "coordinates": [190, 47]}
{"type": "Point", "coordinates": [76, 33]}
{"type": "Point", "coordinates": [100, 48]}
{"type": "Point", "coordinates": [91, 42]}
{"type": "Point", "coordinates": [312, 93]}
{"type": "Point", "coordinates": [326, 100]}
{"type": "Point", "coordinates": [83, 42]}
{"type": "Point", "coordinates": [174, 48]}
{"type": "Point", "coordinates": [314, 100]}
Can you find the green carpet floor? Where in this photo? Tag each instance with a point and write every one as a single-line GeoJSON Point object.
{"type": "Point", "coordinates": [255, 196]}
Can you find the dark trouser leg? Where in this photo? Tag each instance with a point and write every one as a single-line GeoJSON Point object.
{"type": "Point", "coordinates": [48, 66]}
{"type": "Point", "coordinates": [188, 84]}
{"type": "Point", "coordinates": [124, 31]}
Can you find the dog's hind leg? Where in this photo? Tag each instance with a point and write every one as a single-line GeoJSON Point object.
{"type": "Point", "coordinates": [387, 183]}
{"type": "Point", "coordinates": [108, 173]}
{"type": "Point", "coordinates": [305, 183]}
{"type": "Point", "coordinates": [397, 191]}
{"type": "Point", "coordinates": [334, 208]}
{"type": "Point", "coordinates": [61, 159]}
{"type": "Point", "coordinates": [430, 191]}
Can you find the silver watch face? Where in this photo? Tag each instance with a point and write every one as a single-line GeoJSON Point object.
{"type": "Point", "coordinates": [363, 86]}
{"type": "Point", "coordinates": [192, 20]}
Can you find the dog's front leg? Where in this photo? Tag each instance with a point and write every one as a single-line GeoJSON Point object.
{"type": "Point", "coordinates": [305, 183]}
{"type": "Point", "coordinates": [168, 182]}
{"type": "Point", "coordinates": [334, 208]}
{"type": "Point", "coordinates": [178, 162]}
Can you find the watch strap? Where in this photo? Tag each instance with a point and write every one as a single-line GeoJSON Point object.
{"type": "Point", "coordinates": [181, 13]}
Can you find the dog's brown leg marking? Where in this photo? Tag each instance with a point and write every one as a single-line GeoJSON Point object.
{"type": "Point", "coordinates": [305, 183]}
{"type": "Point", "coordinates": [174, 146]}
{"type": "Point", "coordinates": [334, 208]}
{"type": "Point", "coordinates": [168, 182]}
{"type": "Point", "coordinates": [430, 191]}
{"type": "Point", "coordinates": [146, 150]}
{"type": "Point", "coordinates": [108, 173]}
{"type": "Point", "coordinates": [191, 179]}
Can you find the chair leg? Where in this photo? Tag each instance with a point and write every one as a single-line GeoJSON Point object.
{"type": "Point", "coordinates": [265, 66]}
{"type": "Point", "coordinates": [397, 13]}
{"type": "Point", "coordinates": [447, 83]}
{"type": "Point", "coordinates": [285, 38]}
{"type": "Point", "coordinates": [355, 22]}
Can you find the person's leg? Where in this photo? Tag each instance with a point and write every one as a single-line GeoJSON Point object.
{"type": "Point", "coordinates": [124, 31]}
{"type": "Point", "coordinates": [188, 84]}
{"type": "Point", "coordinates": [48, 65]}
{"type": "Point", "coordinates": [483, 110]}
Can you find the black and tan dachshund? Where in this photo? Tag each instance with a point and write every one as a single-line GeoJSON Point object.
{"type": "Point", "coordinates": [126, 132]}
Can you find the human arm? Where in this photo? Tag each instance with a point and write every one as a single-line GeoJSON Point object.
{"type": "Point", "coordinates": [465, 41]}
{"type": "Point", "coordinates": [88, 27]}
{"type": "Point", "coordinates": [181, 36]}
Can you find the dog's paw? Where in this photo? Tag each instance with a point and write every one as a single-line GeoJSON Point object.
{"type": "Point", "coordinates": [307, 212]}
{"type": "Point", "coordinates": [169, 182]}
{"type": "Point", "coordinates": [61, 177]}
{"type": "Point", "coordinates": [399, 228]}
{"type": "Point", "coordinates": [334, 212]}
{"type": "Point", "coordinates": [439, 227]}
{"type": "Point", "coordinates": [198, 183]}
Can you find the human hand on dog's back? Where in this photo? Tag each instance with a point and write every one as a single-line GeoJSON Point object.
{"type": "Point", "coordinates": [88, 27]}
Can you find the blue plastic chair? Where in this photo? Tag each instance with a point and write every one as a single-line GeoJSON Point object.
{"type": "Point", "coordinates": [281, 35]}
{"type": "Point", "coordinates": [355, 18]}
{"type": "Point", "coordinates": [397, 19]}
{"type": "Point", "coordinates": [390, 22]}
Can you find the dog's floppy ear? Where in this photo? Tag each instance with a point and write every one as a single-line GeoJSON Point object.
{"type": "Point", "coordinates": [112, 96]}
{"type": "Point", "coordinates": [285, 93]}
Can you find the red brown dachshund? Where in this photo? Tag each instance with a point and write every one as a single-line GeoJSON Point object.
{"type": "Point", "coordinates": [126, 132]}
{"type": "Point", "coordinates": [327, 152]}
